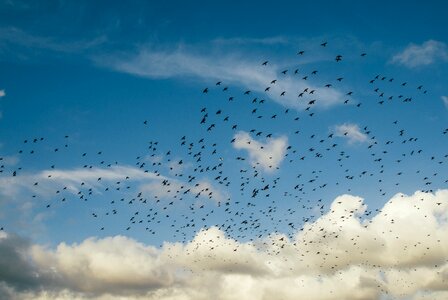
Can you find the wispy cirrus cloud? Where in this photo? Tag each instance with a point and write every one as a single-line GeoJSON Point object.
{"type": "Point", "coordinates": [275, 40]}
{"type": "Point", "coordinates": [422, 55]}
{"type": "Point", "coordinates": [341, 255]}
{"type": "Point", "coordinates": [233, 68]}
{"type": "Point", "coordinates": [2, 94]}
{"type": "Point", "coordinates": [12, 36]}
{"type": "Point", "coordinates": [46, 182]}
{"type": "Point", "coordinates": [47, 185]}
{"type": "Point", "coordinates": [9, 160]}
{"type": "Point", "coordinates": [445, 101]}
{"type": "Point", "coordinates": [26, 194]}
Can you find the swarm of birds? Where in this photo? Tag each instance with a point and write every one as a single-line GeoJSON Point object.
{"type": "Point", "coordinates": [265, 201]}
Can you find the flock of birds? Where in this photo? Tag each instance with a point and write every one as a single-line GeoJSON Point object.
{"type": "Point", "coordinates": [267, 202]}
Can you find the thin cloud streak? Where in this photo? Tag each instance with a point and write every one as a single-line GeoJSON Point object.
{"type": "Point", "coordinates": [17, 37]}
{"type": "Point", "coordinates": [445, 101]}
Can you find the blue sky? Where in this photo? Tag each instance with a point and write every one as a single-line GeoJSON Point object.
{"type": "Point", "coordinates": [102, 92]}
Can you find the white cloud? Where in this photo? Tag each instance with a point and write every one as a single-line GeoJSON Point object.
{"type": "Point", "coordinates": [350, 132]}
{"type": "Point", "coordinates": [267, 155]}
{"type": "Point", "coordinates": [48, 181]}
{"type": "Point", "coordinates": [106, 265]}
{"type": "Point", "coordinates": [400, 252]}
{"type": "Point", "coordinates": [15, 190]}
{"type": "Point", "coordinates": [422, 55]}
{"type": "Point", "coordinates": [232, 69]}
{"type": "Point", "coordinates": [445, 101]}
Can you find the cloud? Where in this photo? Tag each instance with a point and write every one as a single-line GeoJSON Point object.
{"type": "Point", "coordinates": [202, 188]}
{"type": "Point", "coordinates": [400, 252]}
{"type": "Point", "coordinates": [107, 265]}
{"type": "Point", "coordinates": [49, 180]}
{"type": "Point", "coordinates": [445, 100]}
{"type": "Point", "coordinates": [267, 155]}
{"type": "Point", "coordinates": [15, 4]}
{"type": "Point", "coordinates": [49, 185]}
{"type": "Point", "coordinates": [269, 41]}
{"type": "Point", "coordinates": [10, 160]}
{"type": "Point", "coordinates": [228, 68]}
{"type": "Point", "coordinates": [351, 132]}
{"type": "Point", "coordinates": [422, 55]}
{"type": "Point", "coordinates": [15, 268]}
{"type": "Point", "coordinates": [73, 180]}
{"type": "Point", "coordinates": [12, 36]}
{"type": "Point", "coordinates": [2, 94]}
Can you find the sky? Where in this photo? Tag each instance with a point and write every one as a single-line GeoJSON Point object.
{"type": "Point", "coordinates": [223, 150]}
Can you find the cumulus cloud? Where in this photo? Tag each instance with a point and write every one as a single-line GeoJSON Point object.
{"type": "Point", "coordinates": [422, 55]}
{"type": "Point", "coordinates": [267, 155]}
{"type": "Point", "coordinates": [232, 69]}
{"type": "Point", "coordinates": [401, 252]}
{"type": "Point", "coordinates": [351, 132]}
{"type": "Point", "coordinates": [107, 265]}
{"type": "Point", "coordinates": [15, 268]}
